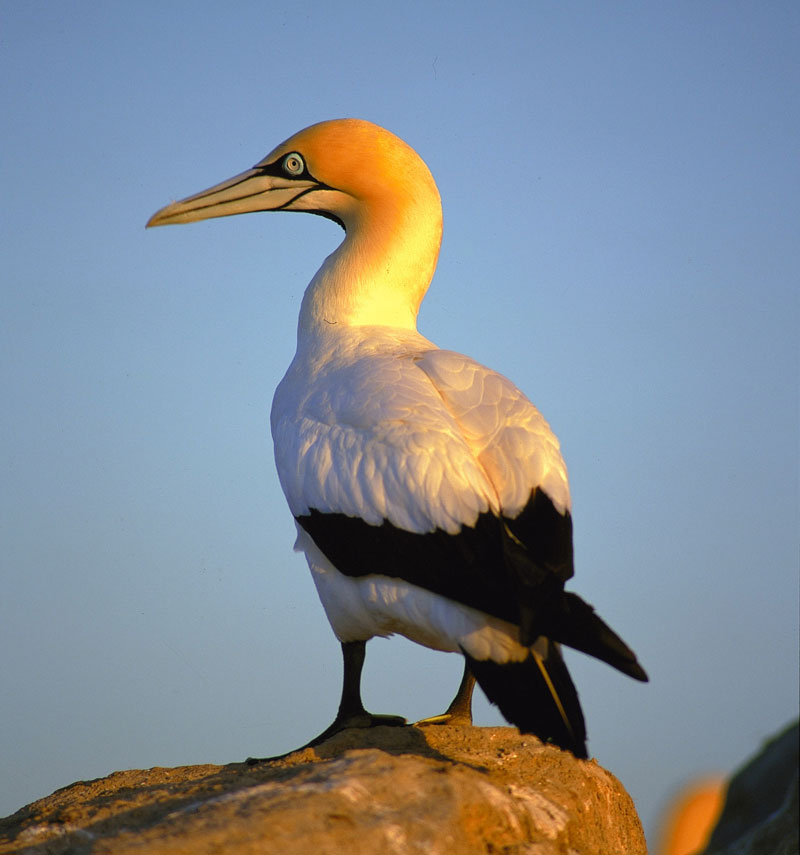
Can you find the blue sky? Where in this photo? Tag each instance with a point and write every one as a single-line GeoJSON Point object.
{"type": "Point", "coordinates": [620, 189]}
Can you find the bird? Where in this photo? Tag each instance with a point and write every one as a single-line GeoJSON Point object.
{"type": "Point", "coordinates": [430, 496]}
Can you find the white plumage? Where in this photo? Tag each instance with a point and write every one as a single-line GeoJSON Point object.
{"type": "Point", "coordinates": [379, 424]}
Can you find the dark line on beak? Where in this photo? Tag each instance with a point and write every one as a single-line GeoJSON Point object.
{"type": "Point", "coordinates": [222, 204]}
{"type": "Point", "coordinates": [295, 198]}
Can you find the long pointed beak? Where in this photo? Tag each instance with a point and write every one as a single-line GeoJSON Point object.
{"type": "Point", "coordinates": [254, 190]}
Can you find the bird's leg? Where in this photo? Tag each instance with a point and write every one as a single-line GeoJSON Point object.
{"type": "Point", "coordinates": [460, 710]}
{"type": "Point", "coordinates": [351, 708]}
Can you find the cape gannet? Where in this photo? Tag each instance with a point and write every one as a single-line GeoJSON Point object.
{"type": "Point", "coordinates": [429, 495]}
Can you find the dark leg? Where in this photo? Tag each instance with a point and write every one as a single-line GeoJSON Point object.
{"type": "Point", "coordinates": [351, 709]}
{"type": "Point", "coordinates": [460, 710]}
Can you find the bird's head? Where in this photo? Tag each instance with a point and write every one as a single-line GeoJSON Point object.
{"type": "Point", "coordinates": [346, 169]}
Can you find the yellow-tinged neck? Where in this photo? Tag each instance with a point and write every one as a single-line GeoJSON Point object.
{"type": "Point", "coordinates": [382, 269]}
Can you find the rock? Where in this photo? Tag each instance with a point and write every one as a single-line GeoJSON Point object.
{"type": "Point", "coordinates": [760, 815]}
{"type": "Point", "coordinates": [437, 790]}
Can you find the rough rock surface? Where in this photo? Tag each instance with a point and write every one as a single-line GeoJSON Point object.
{"type": "Point", "coordinates": [437, 791]}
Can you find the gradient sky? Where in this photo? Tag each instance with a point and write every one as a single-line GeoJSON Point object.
{"type": "Point", "coordinates": [620, 188]}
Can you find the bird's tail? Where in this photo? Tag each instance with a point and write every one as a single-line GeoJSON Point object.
{"type": "Point", "coordinates": [537, 695]}
{"type": "Point", "coordinates": [577, 625]}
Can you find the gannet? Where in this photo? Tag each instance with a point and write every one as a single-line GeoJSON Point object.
{"type": "Point", "coordinates": [430, 496]}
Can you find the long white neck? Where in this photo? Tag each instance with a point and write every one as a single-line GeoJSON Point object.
{"type": "Point", "coordinates": [382, 269]}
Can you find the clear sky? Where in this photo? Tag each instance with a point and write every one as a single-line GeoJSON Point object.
{"type": "Point", "coordinates": [620, 187]}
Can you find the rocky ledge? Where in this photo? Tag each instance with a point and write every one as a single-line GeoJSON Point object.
{"type": "Point", "coordinates": [434, 790]}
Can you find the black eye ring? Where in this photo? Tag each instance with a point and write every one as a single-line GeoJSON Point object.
{"type": "Point", "coordinates": [293, 164]}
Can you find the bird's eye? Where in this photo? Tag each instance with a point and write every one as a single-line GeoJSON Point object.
{"type": "Point", "coordinates": [293, 164]}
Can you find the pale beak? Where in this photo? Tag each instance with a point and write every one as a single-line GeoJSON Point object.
{"type": "Point", "coordinates": [254, 190]}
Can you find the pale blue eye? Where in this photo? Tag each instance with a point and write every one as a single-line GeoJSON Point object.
{"type": "Point", "coordinates": [293, 164]}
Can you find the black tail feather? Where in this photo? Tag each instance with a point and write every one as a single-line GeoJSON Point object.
{"type": "Point", "coordinates": [577, 625]}
{"type": "Point", "coordinates": [537, 695]}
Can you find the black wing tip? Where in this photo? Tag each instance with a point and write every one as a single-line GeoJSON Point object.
{"type": "Point", "coordinates": [577, 625]}
{"type": "Point", "coordinates": [629, 666]}
{"type": "Point", "coordinates": [636, 671]}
